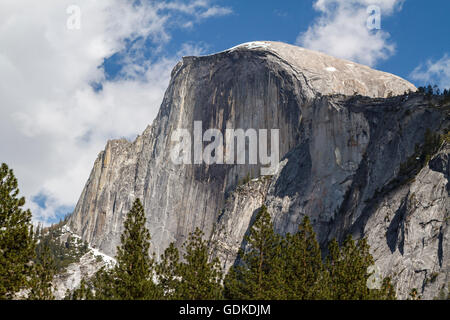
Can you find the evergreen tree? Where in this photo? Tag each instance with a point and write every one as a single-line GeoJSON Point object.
{"type": "Point", "coordinates": [200, 279]}
{"type": "Point", "coordinates": [304, 276]}
{"type": "Point", "coordinates": [132, 276]}
{"type": "Point", "coordinates": [16, 237]}
{"type": "Point", "coordinates": [134, 269]}
{"type": "Point", "coordinates": [429, 91]}
{"type": "Point", "coordinates": [63, 253]}
{"type": "Point", "coordinates": [196, 277]}
{"type": "Point", "coordinates": [168, 273]}
{"type": "Point", "coordinates": [386, 292]}
{"type": "Point", "coordinates": [259, 276]}
{"type": "Point", "coordinates": [414, 295]}
{"type": "Point", "coordinates": [41, 282]}
{"type": "Point", "coordinates": [38, 233]}
{"type": "Point", "coordinates": [348, 269]}
{"type": "Point", "coordinates": [83, 292]}
{"type": "Point", "coordinates": [103, 285]}
{"type": "Point", "coordinates": [348, 272]}
{"type": "Point", "coordinates": [100, 287]}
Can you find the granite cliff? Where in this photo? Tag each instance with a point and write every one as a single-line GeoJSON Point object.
{"type": "Point", "coordinates": [346, 132]}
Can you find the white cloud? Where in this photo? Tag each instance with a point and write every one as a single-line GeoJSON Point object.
{"type": "Point", "coordinates": [434, 72]}
{"type": "Point", "coordinates": [202, 8]}
{"type": "Point", "coordinates": [341, 30]}
{"type": "Point", "coordinates": [52, 123]}
{"type": "Point", "coordinates": [184, 7]}
{"type": "Point", "coordinates": [216, 11]}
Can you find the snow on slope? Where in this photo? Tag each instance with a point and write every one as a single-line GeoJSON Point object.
{"type": "Point", "coordinates": [88, 265]}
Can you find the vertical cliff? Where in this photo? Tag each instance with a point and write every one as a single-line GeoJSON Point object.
{"type": "Point", "coordinates": [361, 189]}
{"type": "Point", "coordinates": [337, 150]}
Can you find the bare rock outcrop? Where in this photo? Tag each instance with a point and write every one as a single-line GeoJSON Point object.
{"type": "Point", "coordinates": [337, 149]}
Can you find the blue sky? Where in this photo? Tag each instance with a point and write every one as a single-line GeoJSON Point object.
{"type": "Point", "coordinates": [66, 90]}
{"type": "Point", "coordinates": [419, 30]}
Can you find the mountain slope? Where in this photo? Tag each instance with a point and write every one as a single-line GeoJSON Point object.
{"type": "Point", "coordinates": [336, 152]}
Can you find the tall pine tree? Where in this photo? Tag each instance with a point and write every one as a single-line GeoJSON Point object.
{"type": "Point", "coordinates": [133, 273]}
{"type": "Point", "coordinates": [132, 276]}
{"type": "Point", "coordinates": [168, 273]}
{"type": "Point", "coordinates": [197, 277]}
{"type": "Point", "coordinates": [260, 273]}
{"type": "Point", "coordinates": [347, 267]}
{"type": "Point", "coordinates": [200, 278]}
{"type": "Point", "coordinates": [304, 275]}
{"type": "Point", "coordinates": [348, 272]}
{"type": "Point", "coordinates": [41, 282]}
{"type": "Point", "coordinates": [17, 243]}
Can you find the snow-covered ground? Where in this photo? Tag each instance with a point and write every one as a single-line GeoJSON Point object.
{"type": "Point", "coordinates": [252, 45]}
{"type": "Point", "coordinates": [95, 251]}
{"type": "Point", "coordinates": [89, 264]}
{"type": "Point", "coordinates": [108, 259]}
{"type": "Point", "coordinates": [248, 45]}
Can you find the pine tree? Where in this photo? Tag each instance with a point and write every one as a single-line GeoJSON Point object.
{"type": "Point", "coordinates": [41, 281]}
{"type": "Point", "coordinates": [168, 273]}
{"type": "Point", "coordinates": [134, 269]}
{"type": "Point", "coordinates": [83, 292]}
{"type": "Point", "coordinates": [132, 276]}
{"type": "Point", "coordinates": [414, 295]}
{"type": "Point", "coordinates": [104, 285]}
{"type": "Point", "coordinates": [429, 91]}
{"type": "Point", "coordinates": [38, 232]}
{"type": "Point", "coordinates": [200, 279]}
{"type": "Point", "coordinates": [99, 287]}
{"type": "Point", "coordinates": [348, 272]}
{"type": "Point", "coordinates": [259, 276]}
{"type": "Point", "coordinates": [386, 292]}
{"type": "Point", "coordinates": [348, 269]}
{"type": "Point", "coordinates": [16, 237]}
{"type": "Point", "coordinates": [304, 277]}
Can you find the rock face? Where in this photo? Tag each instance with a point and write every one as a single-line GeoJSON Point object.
{"type": "Point", "coordinates": [408, 230]}
{"type": "Point", "coordinates": [405, 218]}
{"type": "Point", "coordinates": [88, 265]}
{"type": "Point", "coordinates": [337, 151]}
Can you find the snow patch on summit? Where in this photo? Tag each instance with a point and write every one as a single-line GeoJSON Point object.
{"type": "Point", "coordinates": [252, 45]}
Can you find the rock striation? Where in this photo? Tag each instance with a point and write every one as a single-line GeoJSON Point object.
{"type": "Point", "coordinates": [345, 130]}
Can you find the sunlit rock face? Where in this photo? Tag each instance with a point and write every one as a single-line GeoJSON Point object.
{"type": "Point", "coordinates": [336, 150]}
